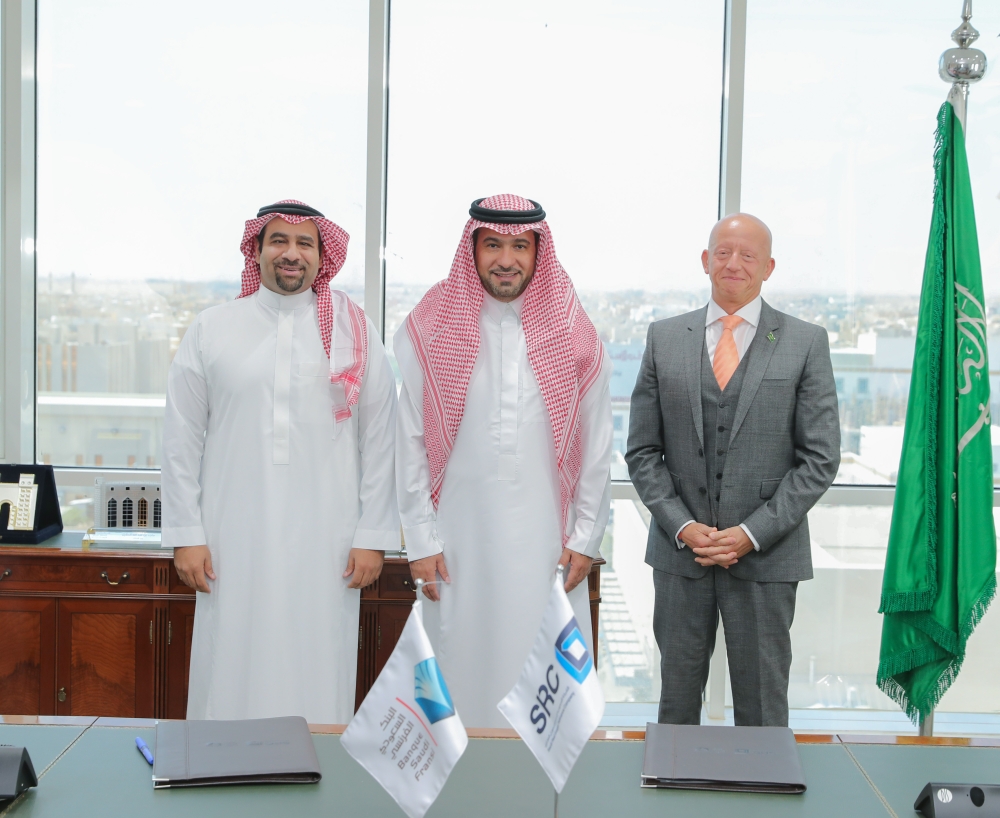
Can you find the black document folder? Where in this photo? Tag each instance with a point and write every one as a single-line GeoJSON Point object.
{"type": "Point", "coordinates": [734, 759]}
{"type": "Point", "coordinates": [254, 751]}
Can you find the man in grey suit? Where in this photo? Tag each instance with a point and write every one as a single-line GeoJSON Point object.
{"type": "Point", "coordinates": [734, 435]}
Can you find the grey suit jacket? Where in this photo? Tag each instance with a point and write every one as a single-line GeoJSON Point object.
{"type": "Point", "coordinates": [783, 454]}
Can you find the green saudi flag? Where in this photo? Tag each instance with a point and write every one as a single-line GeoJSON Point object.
{"type": "Point", "coordinates": [940, 567]}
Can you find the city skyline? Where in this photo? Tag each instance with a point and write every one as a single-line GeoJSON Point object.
{"type": "Point", "coordinates": [111, 343]}
{"type": "Point", "coordinates": [73, 309]}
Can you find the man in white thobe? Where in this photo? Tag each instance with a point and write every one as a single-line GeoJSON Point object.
{"type": "Point", "coordinates": [503, 449]}
{"type": "Point", "coordinates": [278, 477]}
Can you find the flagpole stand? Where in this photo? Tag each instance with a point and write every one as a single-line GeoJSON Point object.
{"type": "Point", "coordinates": [962, 66]}
{"type": "Point", "coordinates": [560, 573]}
{"type": "Point", "coordinates": [927, 725]}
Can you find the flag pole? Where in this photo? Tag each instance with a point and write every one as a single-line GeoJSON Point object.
{"type": "Point", "coordinates": [561, 573]}
{"type": "Point", "coordinates": [961, 66]}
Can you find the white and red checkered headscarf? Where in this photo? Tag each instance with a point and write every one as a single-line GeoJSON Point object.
{"type": "Point", "coordinates": [338, 315]}
{"type": "Point", "coordinates": [563, 347]}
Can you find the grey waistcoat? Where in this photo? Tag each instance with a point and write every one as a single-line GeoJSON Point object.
{"type": "Point", "coordinates": [718, 408]}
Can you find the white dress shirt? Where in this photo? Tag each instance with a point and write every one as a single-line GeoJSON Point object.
{"type": "Point", "coordinates": [742, 335]}
{"type": "Point", "coordinates": [744, 332]}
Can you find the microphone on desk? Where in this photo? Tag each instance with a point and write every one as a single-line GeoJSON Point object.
{"type": "Point", "coordinates": [17, 773]}
{"type": "Point", "coordinates": [959, 800]}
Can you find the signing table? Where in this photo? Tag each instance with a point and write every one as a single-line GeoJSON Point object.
{"type": "Point", "coordinates": [90, 767]}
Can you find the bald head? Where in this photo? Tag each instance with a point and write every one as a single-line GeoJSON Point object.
{"type": "Point", "coordinates": [738, 260]}
{"type": "Point", "coordinates": [743, 224]}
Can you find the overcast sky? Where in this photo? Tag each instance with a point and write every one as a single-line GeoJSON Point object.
{"type": "Point", "coordinates": [163, 127]}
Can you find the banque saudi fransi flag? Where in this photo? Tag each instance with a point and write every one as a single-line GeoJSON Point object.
{"type": "Point", "coordinates": [940, 566]}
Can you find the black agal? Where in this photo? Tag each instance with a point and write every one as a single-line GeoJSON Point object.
{"type": "Point", "coordinates": [484, 214]}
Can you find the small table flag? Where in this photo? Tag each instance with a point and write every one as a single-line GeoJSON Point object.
{"type": "Point", "coordinates": [557, 702]}
{"type": "Point", "coordinates": [407, 733]}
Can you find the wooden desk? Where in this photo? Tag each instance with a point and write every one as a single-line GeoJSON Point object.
{"type": "Point", "coordinates": [108, 633]}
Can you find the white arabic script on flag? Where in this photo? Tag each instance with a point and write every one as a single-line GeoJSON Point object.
{"type": "Point", "coordinates": [407, 733]}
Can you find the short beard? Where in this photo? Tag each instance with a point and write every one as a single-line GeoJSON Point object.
{"type": "Point", "coordinates": [499, 291]}
{"type": "Point", "coordinates": [289, 286]}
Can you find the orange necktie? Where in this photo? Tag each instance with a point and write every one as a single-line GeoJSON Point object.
{"type": "Point", "coordinates": [726, 356]}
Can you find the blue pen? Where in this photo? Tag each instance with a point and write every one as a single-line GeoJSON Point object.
{"type": "Point", "coordinates": [143, 749]}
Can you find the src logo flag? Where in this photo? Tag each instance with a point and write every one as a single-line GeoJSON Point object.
{"type": "Point", "coordinates": [557, 702]}
{"type": "Point", "coordinates": [406, 732]}
{"type": "Point", "coordinates": [571, 651]}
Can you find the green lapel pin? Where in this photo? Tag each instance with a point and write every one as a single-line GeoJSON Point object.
{"type": "Point", "coordinates": [770, 337]}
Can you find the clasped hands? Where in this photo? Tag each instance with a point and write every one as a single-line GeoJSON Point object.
{"type": "Point", "coordinates": [429, 568]}
{"type": "Point", "coordinates": [714, 547]}
{"type": "Point", "coordinates": [194, 567]}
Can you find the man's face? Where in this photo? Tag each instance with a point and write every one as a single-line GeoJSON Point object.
{"type": "Point", "coordinates": [505, 263]}
{"type": "Point", "coordinates": [290, 256]}
{"type": "Point", "coordinates": [738, 261]}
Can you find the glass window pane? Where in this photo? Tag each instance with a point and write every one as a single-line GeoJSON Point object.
{"type": "Point", "coordinates": [975, 689]}
{"type": "Point", "coordinates": [3, 357]}
{"type": "Point", "coordinates": [161, 129]}
{"type": "Point", "coordinates": [608, 114]}
{"type": "Point", "coordinates": [838, 140]}
{"type": "Point", "coordinates": [837, 630]}
{"type": "Point", "coordinates": [835, 636]}
{"type": "Point", "coordinates": [837, 627]}
{"type": "Point", "coordinates": [628, 659]}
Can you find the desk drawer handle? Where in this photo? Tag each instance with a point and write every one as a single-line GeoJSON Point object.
{"type": "Point", "coordinates": [123, 578]}
{"type": "Point", "coordinates": [4, 575]}
{"type": "Point", "coordinates": [408, 584]}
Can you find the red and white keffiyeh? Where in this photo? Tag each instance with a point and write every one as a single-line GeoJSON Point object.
{"type": "Point", "coordinates": [350, 352]}
{"type": "Point", "coordinates": [564, 350]}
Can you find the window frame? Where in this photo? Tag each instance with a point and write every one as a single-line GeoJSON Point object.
{"type": "Point", "coordinates": [17, 229]}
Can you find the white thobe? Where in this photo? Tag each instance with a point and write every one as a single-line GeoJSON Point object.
{"type": "Point", "coordinates": [499, 519]}
{"type": "Point", "coordinates": [255, 467]}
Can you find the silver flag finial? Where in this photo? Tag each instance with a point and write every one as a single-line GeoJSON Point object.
{"type": "Point", "coordinates": [966, 34]}
{"type": "Point", "coordinates": [962, 66]}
